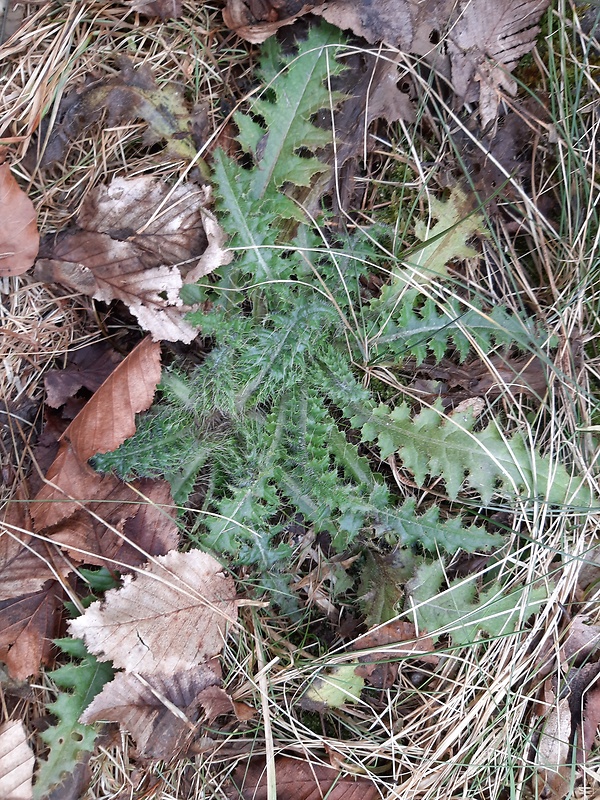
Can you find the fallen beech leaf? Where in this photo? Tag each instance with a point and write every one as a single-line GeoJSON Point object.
{"type": "Point", "coordinates": [19, 238]}
{"type": "Point", "coordinates": [161, 713]}
{"type": "Point", "coordinates": [301, 780]}
{"type": "Point", "coordinates": [103, 424]}
{"type": "Point", "coordinates": [109, 417]}
{"type": "Point", "coordinates": [16, 762]}
{"type": "Point", "coordinates": [171, 617]}
{"type": "Point", "coordinates": [27, 626]}
{"type": "Point", "coordinates": [142, 514]}
{"type": "Point", "coordinates": [86, 368]}
{"type": "Point", "coordinates": [380, 668]}
{"type": "Point", "coordinates": [138, 240]}
{"type": "Point", "coordinates": [165, 9]}
{"type": "Point", "coordinates": [26, 563]}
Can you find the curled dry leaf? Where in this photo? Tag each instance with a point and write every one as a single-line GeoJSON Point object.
{"type": "Point", "coordinates": [19, 238]}
{"type": "Point", "coordinates": [169, 618]}
{"type": "Point", "coordinates": [300, 780]}
{"type": "Point", "coordinates": [16, 762]}
{"type": "Point", "coordinates": [134, 242]}
{"type": "Point", "coordinates": [162, 716]}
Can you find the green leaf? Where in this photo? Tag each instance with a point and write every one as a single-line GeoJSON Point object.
{"type": "Point", "coordinates": [446, 240]}
{"type": "Point", "coordinates": [462, 611]}
{"type": "Point", "coordinates": [69, 740]}
{"type": "Point", "coordinates": [299, 93]}
{"type": "Point", "coordinates": [435, 444]}
{"type": "Point", "coordinates": [338, 686]}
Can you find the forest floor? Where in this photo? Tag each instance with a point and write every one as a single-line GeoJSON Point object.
{"type": "Point", "coordinates": [300, 400]}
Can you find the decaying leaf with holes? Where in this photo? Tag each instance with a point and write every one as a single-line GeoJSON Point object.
{"type": "Point", "coordinates": [130, 94]}
{"type": "Point", "coordinates": [476, 42]}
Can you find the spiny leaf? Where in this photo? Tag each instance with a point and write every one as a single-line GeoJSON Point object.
{"type": "Point", "coordinates": [69, 739]}
{"type": "Point", "coordinates": [299, 93]}
{"type": "Point", "coordinates": [489, 462]}
{"type": "Point", "coordinates": [462, 611]}
{"type": "Point", "coordinates": [403, 325]}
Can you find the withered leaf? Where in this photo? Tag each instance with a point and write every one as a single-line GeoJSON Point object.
{"type": "Point", "coordinates": [171, 617]}
{"type": "Point", "coordinates": [483, 38]}
{"type": "Point", "coordinates": [26, 563]}
{"type": "Point", "coordinates": [161, 713]}
{"type": "Point", "coordinates": [103, 424]}
{"type": "Point", "coordinates": [135, 241]}
{"type": "Point", "coordinates": [553, 748]}
{"type": "Point", "coordinates": [19, 238]}
{"type": "Point", "coordinates": [109, 417]}
{"type": "Point", "coordinates": [86, 368]}
{"type": "Point", "coordinates": [301, 780]}
{"type": "Point", "coordinates": [591, 718]}
{"type": "Point", "coordinates": [581, 640]}
{"type": "Point", "coordinates": [132, 93]}
{"type": "Point", "coordinates": [165, 9]}
{"type": "Point", "coordinates": [124, 524]}
{"type": "Point", "coordinates": [489, 33]}
{"type": "Point", "coordinates": [380, 668]}
{"type": "Point", "coordinates": [27, 626]}
{"type": "Point", "coordinates": [16, 762]}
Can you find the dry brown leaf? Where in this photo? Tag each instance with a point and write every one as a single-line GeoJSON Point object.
{"type": "Point", "coordinates": [581, 640]}
{"type": "Point", "coordinates": [161, 713]}
{"type": "Point", "coordinates": [103, 424]}
{"type": "Point", "coordinates": [171, 617]}
{"type": "Point", "coordinates": [165, 9]}
{"type": "Point", "coordinates": [491, 34]}
{"type": "Point", "coordinates": [86, 368]}
{"type": "Point", "coordinates": [124, 524]}
{"type": "Point", "coordinates": [553, 749]}
{"type": "Point", "coordinates": [16, 762]}
{"type": "Point", "coordinates": [19, 238]}
{"type": "Point", "coordinates": [301, 780]}
{"type": "Point", "coordinates": [26, 563]}
{"type": "Point", "coordinates": [380, 669]}
{"type": "Point", "coordinates": [591, 719]}
{"type": "Point", "coordinates": [484, 39]}
{"type": "Point", "coordinates": [134, 242]}
{"type": "Point", "coordinates": [109, 417]}
{"type": "Point", "coordinates": [27, 626]}
{"type": "Point", "coordinates": [129, 94]}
